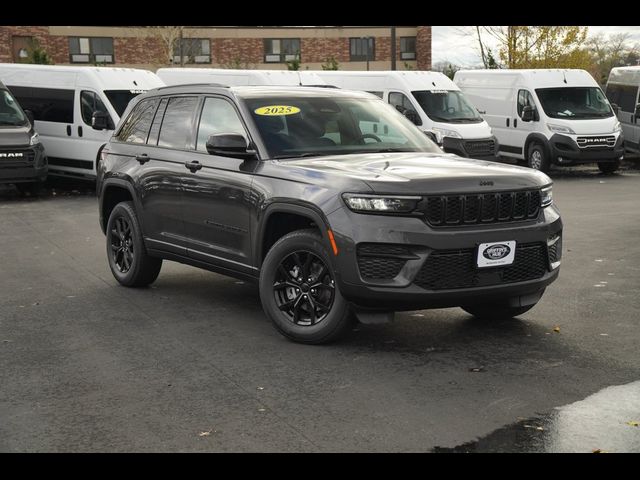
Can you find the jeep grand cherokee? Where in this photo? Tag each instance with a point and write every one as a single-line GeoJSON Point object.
{"type": "Point", "coordinates": [331, 200]}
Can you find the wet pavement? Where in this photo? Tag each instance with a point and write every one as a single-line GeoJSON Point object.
{"type": "Point", "coordinates": [191, 364]}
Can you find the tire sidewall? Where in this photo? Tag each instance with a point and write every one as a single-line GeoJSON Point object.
{"type": "Point", "coordinates": [536, 147]}
{"type": "Point", "coordinates": [125, 209]}
{"type": "Point", "coordinates": [291, 243]}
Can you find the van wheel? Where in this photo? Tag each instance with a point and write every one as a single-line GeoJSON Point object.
{"type": "Point", "coordinates": [128, 259]}
{"type": "Point", "coordinates": [609, 167]}
{"type": "Point", "coordinates": [496, 312]}
{"type": "Point", "coordinates": [298, 290]}
{"type": "Point", "coordinates": [537, 158]}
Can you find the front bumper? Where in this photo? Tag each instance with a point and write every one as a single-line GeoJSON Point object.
{"type": "Point", "coordinates": [407, 291]}
{"type": "Point", "coordinates": [479, 148]}
{"type": "Point", "coordinates": [29, 166]}
{"type": "Point", "coordinates": [565, 151]}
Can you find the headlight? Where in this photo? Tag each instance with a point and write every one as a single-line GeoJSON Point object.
{"type": "Point", "coordinates": [443, 132]}
{"type": "Point", "coordinates": [560, 129]}
{"type": "Point", "coordinates": [35, 139]}
{"type": "Point", "coordinates": [380, 203]}
{"type": "Point", "coordinates": [546, 197]}
{"type": "Point", "coordinates": [617, 127]}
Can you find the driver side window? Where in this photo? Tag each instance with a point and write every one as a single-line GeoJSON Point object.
{"type": "Point", "coordinates": [525, 99]}
{"type": "Point", "coordinates": [218, 116]}
{"type": "Point", "coordinates": [90, 103]}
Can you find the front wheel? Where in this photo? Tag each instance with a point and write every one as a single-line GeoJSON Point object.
{"type": "Point", "coordinates": [609, 167]}
{"type": "Point", "coordinates": [496, 312]}
{"type": "Point", "coordinates": [298, 290]}
{"type": "Point", "coordinates": [128, 259]}
{"type": "Point", "coordinates": [537, 158]}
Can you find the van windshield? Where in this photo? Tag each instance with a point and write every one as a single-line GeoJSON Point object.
{"type": "Point", "coordinates": [305, 126]}
{"type": "Point", "coordinates": [10, 112]}
{"type": "Point", "coordinates": [447, 106]}
{"type": "Point", "coordinates": [574, 102]}
{"type": "Point", "coordinates": [120, 99]}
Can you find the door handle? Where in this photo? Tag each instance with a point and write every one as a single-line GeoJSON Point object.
{"type": "Point", "coordinates": [143, 158]}
{"type": "Point", "coordinates": [508, 121]}
{"type": "Point", "coordinates": [79, 130]}
{"type": "Point", "coordinates": [515, 123]}
{"type": "Point", "coordinates": [68, 130]}
{"type": "Point", "coordinates": [193, 166]}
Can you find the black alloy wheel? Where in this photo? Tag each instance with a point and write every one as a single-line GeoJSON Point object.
{"type": "Point", "coordinates": [122, 248]}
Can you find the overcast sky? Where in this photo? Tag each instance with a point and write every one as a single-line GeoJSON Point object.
{"type": "Point", "coordinates": [449, 44]}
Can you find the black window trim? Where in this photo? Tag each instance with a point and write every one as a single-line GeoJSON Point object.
{"type": "Point", "coordinates": [92, 56]}
{"type": "Point", "coordinates": [30, 92]}
{"type": "Point", "coordinates": [116, 135]}
{"type": "Point", "coordinates": [191, 139]}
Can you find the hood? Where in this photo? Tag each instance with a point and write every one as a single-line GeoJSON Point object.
{"type": "Point", "coordinates": [468, 131]}
{"type": "Point", "coordinates": [424, 173]}
{"type": "Point", "coordinates": [595, 126]}
{"type": "Point", "coordinates": [15, 136]}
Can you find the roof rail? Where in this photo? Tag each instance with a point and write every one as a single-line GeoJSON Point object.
{"type": "Point", "coordinates": [193, 85]}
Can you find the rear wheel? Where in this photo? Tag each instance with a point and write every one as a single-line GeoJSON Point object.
{"type": "Point", "coordinates": [609, 167]}
{"type": "Point", "coordinates": [298, 290]}
{"type": "Point", "coordinates": [496, 312]}
{"type": "Point", "coordinates": [128, 259]}
{"type": "Point", "coordinates": [537, 158]}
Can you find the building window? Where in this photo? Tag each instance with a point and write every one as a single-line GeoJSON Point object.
{"type": "Point", "coordinates": [407, 48]}
{"type": "Point", "coordinates": [280, 50]}
{"type": "Point", "coordinates": [194, 50]}
{"type": "Point", "coordinates": [358, 49]}
{"type": "Point", "coordinates": [91, 49]}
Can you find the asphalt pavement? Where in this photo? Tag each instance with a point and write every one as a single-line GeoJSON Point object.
{"type": "Point", "coordinates": [192, 364]}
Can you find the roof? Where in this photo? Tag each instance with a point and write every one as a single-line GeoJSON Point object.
{"type": "Point", "coordinates": [260, 91]}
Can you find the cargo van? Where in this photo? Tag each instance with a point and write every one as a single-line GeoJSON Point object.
{"type": "Point", "coordinates": [431, 101]}
{"type": "Point", "coordinates": [552, 116]}
{"type": "Point", "coordinates": [22, 158]}
{"type": "Point", "coordinates": [75, 108]}
{"type": "Point", "coordinates": [622, 90]}
{"type": "Point", "coordinates": [238, 78]}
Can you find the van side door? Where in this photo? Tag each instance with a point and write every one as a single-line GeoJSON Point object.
{"type": "Point", "coordinates": [626, 97]}
{"type": "Point", "coordinates": [89, 141]}
{"type": "Point", "coordinates": [519, 130]}
{"type": "Point", "coordinates": [217, 191]}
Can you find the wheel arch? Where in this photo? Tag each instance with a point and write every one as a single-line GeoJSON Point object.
{"type": "Point", "coordinates": [537, 137]}
{"type": "Point", "coordinates": [114, 191]}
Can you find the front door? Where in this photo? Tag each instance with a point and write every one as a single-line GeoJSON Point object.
{"type": "Point", "coordinates": [89, 141]}
{"type": "Point", "coordinates": [217, 195]}
{"type": "Point", "coordinates": [519, 130]}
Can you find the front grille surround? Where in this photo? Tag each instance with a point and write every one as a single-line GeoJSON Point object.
{"type": "Point", "coordinates": [481, 208]}
{"type": "Point", "coordinates": [17, 162]}
{"type": "Point", "coordinates": [480, 147]}
{"type": "Point", "coordinates": [597, 141]}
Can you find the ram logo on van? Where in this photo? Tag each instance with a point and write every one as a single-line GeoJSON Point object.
{"type": "Point", "coordinates": [11, 155]}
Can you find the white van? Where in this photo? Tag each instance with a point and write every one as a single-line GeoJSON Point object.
{"type": "Point", "coordinates": [547, 117]}
{"type": "Point", "coordinates": [235, 78]}
{"type": "Point", "coordinates": [431, 101]}
{"type": "Point", "coordinates": [75, 108]}
{"type": "Point", "coordinates": [623, 90]}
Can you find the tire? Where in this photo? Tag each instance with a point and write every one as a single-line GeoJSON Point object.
{"type": "Point", "coordinates": [537, 158]}
{"type": "Point", "coordinates": [301, 318]}
{"type": "Point", "coordinates": [496, 312]}
{"type": "Point", "coordinates": [609, 167]}
{"type": "Point", "coordinates": [131, 266]}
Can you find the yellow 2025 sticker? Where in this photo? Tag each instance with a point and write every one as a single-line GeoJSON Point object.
{"type": "Point", "coordinates": [277, 110]}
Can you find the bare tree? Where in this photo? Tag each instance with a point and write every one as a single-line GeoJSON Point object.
{"type": "Point", "coordinates": [168, 37]}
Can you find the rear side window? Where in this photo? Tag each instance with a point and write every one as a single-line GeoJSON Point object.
{"type": "Point", "coordinates": [625, 96]}
{"type": "Point", "coordinates": [176, 129]}
{"type": "Point", "coordinates": [136, 127]}
{"type": "Point", "coordinates": [47, 104]}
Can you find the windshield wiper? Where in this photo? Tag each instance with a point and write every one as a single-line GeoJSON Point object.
{"type": "Point", "coordinates": [300, 155]}
{"type": "Point", "coordinates": [385, 150]}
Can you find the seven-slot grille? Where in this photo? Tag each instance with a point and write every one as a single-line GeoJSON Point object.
{"type": "Point", "coordinates": [599, 141]}
{"type": "Point", "coordinates": [451, 269]}
{"type": "Point", "coordinates": [480, 147]}
{"type": "Point", "coordinates": [452, 210]}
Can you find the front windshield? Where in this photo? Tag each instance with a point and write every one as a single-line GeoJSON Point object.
{"type": "Point", "coordinates": [10, 112]}
{"type": "Point", "coordinates": [574, 102]}
{"type": "Point", "coordinates": [120, 99]}
{"type": "Point", "coordinates": [447, 106]}
{"type": "Point", "coordinates": [299, 126]}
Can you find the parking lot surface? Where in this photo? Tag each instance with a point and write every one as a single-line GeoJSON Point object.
{"type": "Point", "coordinates": [191, 364]}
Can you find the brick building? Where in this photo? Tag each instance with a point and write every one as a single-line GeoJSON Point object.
{"type": "Point", "coordinates": [354, 48]}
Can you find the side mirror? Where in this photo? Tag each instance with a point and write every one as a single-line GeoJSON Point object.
{"type": "Point", "coordinates": [29, 115]}
{"type": "Point", "coordinates": [413, 116]}
{"type": "Point", "coordinates": [615, 108]}
{"type": "Point", "coordinates": [528, 113]}
{"type": "Point", "coordinates": [229, 145]}
{"type": "Point", "coordinates": [100, 120]}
